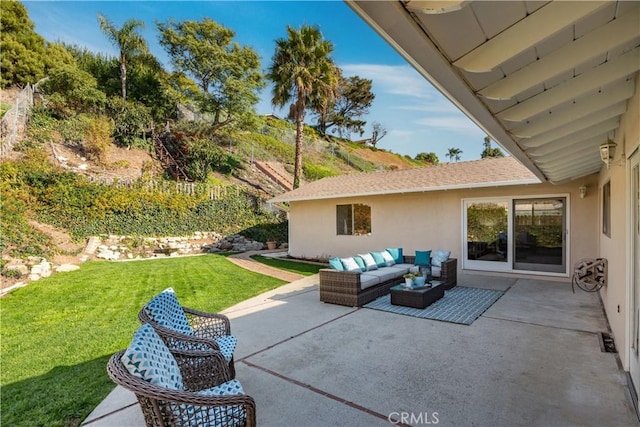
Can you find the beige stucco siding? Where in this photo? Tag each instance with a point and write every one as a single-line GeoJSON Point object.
{"type": "Point", "coordinates": [429, 220]}
{"type": "Point", "coordinates": [615, 296]}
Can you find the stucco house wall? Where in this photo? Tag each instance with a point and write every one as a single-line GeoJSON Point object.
{"type": "Point", "coordinates": [616, 248]}
{"type": "Point", "coordinates": [430, 220]}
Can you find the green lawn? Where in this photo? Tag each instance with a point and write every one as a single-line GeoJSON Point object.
{"type": "Point", "coordinates": [304, 268]}
{"type": "Point", "coordinates": [58, 333]}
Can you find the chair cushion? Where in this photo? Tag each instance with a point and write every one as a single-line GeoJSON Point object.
{"type": "Point", "coordinates": [384, 274]}
{"type": "Point", "coordinates": [369, 262]}
{"type": "Point", "coordinates": [350, 264]}
{"type": "Point", "coordinates": [336, 264]}
{"type": "Point", "coordinates": [230, 388]}
{"type": "Point", "coordinates": [436, 271]}
{"type": "Point", "coordinates": [388, 259]}
{"type": "Point", "coordinates": [227, 345]}
{"type": "Point", "coordinates": [225, 415]}
{"type": "Point", "coordinates": [149, 359]}
{"type": "Point", "coordinates": [165, 309]}
{"type": "Point", "coordinates": [368, 280]}
{"type": "Point", "coordinates": [423, 258]}
{"type": "Point", "coordinates": [396, 253]}
{"type": "Point", "coordinates": [403, 268]}
{"type": "Point", "coordinates": [439, 257]}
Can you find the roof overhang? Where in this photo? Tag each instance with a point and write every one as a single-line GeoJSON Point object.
{"type": "Point", "coordinates": [548, 81]}
{"type": "Point", "coordinates": [291, 197]}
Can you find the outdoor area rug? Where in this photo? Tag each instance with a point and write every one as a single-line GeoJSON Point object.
{"type": "Point", "coordinates": [459, 305]}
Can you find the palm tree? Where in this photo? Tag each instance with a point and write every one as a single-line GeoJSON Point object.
{"type": "Point", "coordinates": [127, 40]}
{"type": "Point", "coordinates": [489, 151]}
{"type": "Point", "coordinates": [304, 75]}
{"type": "Point", "coordinates": [454, 153]}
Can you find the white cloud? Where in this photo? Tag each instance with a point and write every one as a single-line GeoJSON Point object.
{"type": "Point", "coordinates": [458, 124]}
{"type": "Point", "coordinates": [393, 79]}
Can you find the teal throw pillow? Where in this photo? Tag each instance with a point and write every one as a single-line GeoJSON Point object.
{"type": "Point", "coordinates": [379, 259]}
{"type": "Point", "coordinates": [439, 257]}
{"type": "Point", "coordinates": [396, 254]}
{"type": "Point", "coordinates": [360, 263]}
{"type": "Point", "coordinates": [336, 264]}
{"type": "Point", "coordinates": [423, 258]}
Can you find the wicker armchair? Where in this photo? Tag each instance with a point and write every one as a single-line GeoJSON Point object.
{"type": "Point", "coordinates": [204, 395]}
{"type": "Point", "coordinates": [187, 328]}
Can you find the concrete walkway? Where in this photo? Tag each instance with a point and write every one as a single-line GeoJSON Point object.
{"type": "Point", "coordinates": [533, 358]}
{"type": "Point", "coordinates": [243, 259]}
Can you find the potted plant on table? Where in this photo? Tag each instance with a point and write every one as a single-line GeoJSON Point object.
{"type": "Point", "coordinates": [408, 279]}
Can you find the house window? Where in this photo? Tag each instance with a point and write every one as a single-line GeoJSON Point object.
{"type": "Point", "coordinates": [606, 209]}
{"type": "Point", "coordinates": [353, 220]}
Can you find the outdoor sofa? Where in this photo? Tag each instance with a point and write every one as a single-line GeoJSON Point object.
{"type": "Point", "coordinates": [359, 287]}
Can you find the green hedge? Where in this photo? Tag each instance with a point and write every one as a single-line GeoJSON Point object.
{"type": "Point", "coordinates": [31, 188]}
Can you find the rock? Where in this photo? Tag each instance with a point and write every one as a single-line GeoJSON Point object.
{"type": "Point", "coordinates": [21, 268]}
{"type": "Point", "coordinates": [65, 268]}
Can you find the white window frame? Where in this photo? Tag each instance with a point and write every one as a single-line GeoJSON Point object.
{"type": "Point", "coordinates": [507, 267]}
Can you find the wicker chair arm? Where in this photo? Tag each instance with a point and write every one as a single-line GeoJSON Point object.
{"type": "Point", "coordinates": [174, 339]}
{"type": "Point", "coordinates": [201, 369]}
{"type": "Point", "coordinates": [208, 325]}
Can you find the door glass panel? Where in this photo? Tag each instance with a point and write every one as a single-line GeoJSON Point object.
{"type": "Point", "coordinates": [538, 234]}
{"type": "Point", "coordinates": [487, 231]}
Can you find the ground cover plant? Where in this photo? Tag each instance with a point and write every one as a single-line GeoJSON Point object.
{"type": "Point", "coordinates": [58, 333]}
{"type": "Point", "coordinates": [303, 268]}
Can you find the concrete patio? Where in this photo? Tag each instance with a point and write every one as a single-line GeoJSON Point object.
{"type": "Point", "coordinates": [533, 358]}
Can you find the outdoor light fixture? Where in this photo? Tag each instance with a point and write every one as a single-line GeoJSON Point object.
{"type": "Point", "coordinates": [607, 151]}
{"type": "Point", "coordinates": [436, 7]}
{"type": "Point", "coordinates": [583, 191]}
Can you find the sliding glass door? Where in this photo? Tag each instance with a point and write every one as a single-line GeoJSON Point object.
{"type": "Point", "coordinates": [516, 234]}
{"type": "Point", "coordinates": [539, 234]}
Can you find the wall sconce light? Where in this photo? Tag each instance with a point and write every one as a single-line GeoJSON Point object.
{"type": "Point", "coordinates": [607, 151]}
{"type": "Point", "coordinates": [583, 191]}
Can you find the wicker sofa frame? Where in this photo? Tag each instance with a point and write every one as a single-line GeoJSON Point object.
{"type": "Point", "coordinates": [343, 287]}
{"type": "Point", "coordinates": [206, 327]}
{"type": "Point", "coordinates": [165, 407]}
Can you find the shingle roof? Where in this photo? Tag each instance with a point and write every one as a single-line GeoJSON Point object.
{"type": "Point", "coordinates": [490, 172]}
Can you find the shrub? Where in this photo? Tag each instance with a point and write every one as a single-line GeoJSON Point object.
{"type": "Point", "coordinates": [314, 172]}
{"type": "Point", "coordinates": [203, 157]}
{"type": "Point", "coordinates": [73, 90]}
{"type": "Point", "coordinates": [98, 137]}
{"type": "Point", "coordinates": [11, 273]}
{"type": "Point", "coordinates": [73, 129]}
{"type": "Point", "coordinates": [131, 119]}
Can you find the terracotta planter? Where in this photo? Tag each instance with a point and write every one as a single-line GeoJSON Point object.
{"type": "Point", "coordinates": [272, 245]}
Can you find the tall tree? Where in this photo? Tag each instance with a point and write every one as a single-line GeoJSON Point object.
{"type": "Point", "coordinates": [304, 75]}
{"type": "Point", "coordinates": [488, 151]}
{"type": "Point", "coordinates": [23, 50]}
{"type": "Point", "coordinates": [227, 74]}
{"type": "Point", "coordinates": [454, 154]}
{"type": "Point", "coordinates": [127, 40]}
{"type": "Point", "coordinates": [354, 97]}
{"type": "Point", "coordinates": [378, 133]}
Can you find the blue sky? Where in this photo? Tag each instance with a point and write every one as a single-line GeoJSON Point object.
{"type": "Point", "coordinates": [417, 117]}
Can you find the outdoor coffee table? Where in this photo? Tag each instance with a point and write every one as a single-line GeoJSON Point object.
{"type": "Point", "coordinates": [417, 297]}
